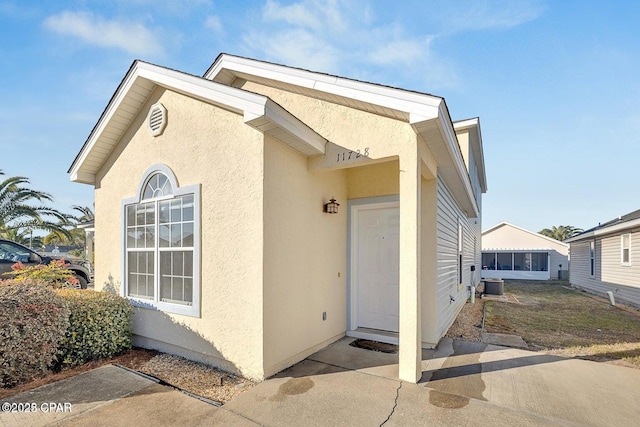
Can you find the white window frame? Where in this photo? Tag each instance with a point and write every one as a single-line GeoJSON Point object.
{"type": "Point", "coordinates": [194, 309]}
{"type": "Point", "coordinates": [460, 257]}
{"type": "Point", "coordinates": [592, 258]}
{"type": "Point", "coordinates": [628, 248]}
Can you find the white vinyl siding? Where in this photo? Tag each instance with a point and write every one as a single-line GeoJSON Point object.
{"type": "Point", "coordinates": [452, 293]}
{"type": "Point", "coordinates": [610, 273]}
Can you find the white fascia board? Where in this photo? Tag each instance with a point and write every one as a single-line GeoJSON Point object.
{"type": "Point", "coordinates": [490, 229]}
{"type": "Point", "coordinates": [384, 96]}
{"type": "Point", "coordinates": [467, 123]}
{"type": "Point", "coordinates": [518, 250]}
{"type": "Point", "coordinates": [476, 145]}
{"type": "Point", "coordinates": [606, 230]}
{"type": "Point", "coordinates": [82, 177]}
{"type": "Point", "coordinates": [75, 174]}
{"type": "Point", "coordinates": [288, 122]}
{"type": "Point", "coordinates": [454, 152]}
{"type": "Point", "coordinates": [208, 91]}
{"type": "Point", "coordinates": [242, 102]}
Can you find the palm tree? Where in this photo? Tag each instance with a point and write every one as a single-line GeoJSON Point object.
{"type": "Point", "coordinates": [22, 211]}
{"type": "Point", "coordinates": [562, 232]}
{"type": "Point", "coordinates": [72, 235]}
{"type": "Point", "coordinates": [87, 214]}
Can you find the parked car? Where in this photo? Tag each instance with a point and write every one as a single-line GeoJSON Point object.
{"type": "Point", "coordinates": [12, 252]}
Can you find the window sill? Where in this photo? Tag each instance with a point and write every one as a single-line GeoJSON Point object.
{"type": "Point", "coordinates": [184, 310]}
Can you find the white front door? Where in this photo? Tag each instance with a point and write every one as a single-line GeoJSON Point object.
{"type": "Point", "coordinates": [376, 234]}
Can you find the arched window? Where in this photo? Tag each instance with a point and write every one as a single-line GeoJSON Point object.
{"type": "Point", "coordinates": [161, 267]}
{"type": "Point", "coordinates": [157, 185]}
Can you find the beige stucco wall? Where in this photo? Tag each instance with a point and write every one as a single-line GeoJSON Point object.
{"type": "Point", "coordinates": [304, 258]}
{"type": "Point", "coordinates": [347, 129]}
{"type": "Point", "coordinates": [380, 179]}
{"type": "Point", "coordinates": [395, 143]}
{"type": "Point", "coordinates": [205, 145]}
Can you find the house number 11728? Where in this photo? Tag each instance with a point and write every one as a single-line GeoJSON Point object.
{"type": "Point", "coordinates": [351, 155]}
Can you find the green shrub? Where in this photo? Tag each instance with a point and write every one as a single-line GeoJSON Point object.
{"type": "Point", "coordinates": [99, 326]}
{"type": "Point", "coordinates": [33, 321]}
{"type": "Point", "coordinates": [54, 274]}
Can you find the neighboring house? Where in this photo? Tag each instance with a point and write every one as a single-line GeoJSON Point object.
{"type": "Point", "coordinates": [511, 252]}
{"type": "Point", "coordinates": [607, 258]}
{"type": "Point", "coordinates": [214, 213]}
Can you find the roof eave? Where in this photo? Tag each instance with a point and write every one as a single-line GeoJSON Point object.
{"type": "Point", "coordinates": [605, 230]}
{"type": "Point", "coordinates": [258, 111]}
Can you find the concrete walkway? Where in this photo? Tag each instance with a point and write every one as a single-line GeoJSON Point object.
{"type": "Point", "coordinates": [467, 384]}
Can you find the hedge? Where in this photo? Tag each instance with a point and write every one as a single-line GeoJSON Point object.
{"type": "Point", "coordinates": [33, 320]}
{"type": "Point", "coordinates": [99, 326]}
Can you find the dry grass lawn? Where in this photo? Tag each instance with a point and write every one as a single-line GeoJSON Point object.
{"type": "Point", "coordinates": [551, 316]}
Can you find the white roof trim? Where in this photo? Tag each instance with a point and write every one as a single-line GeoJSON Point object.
{"type": "Point", "coordinates": [258, 111]}
{"type": "Point", "coordinates": [606, 230]}
{"type": "Point", "coordinates": [518, 250]}
{"type": "Point", "coordinates": [488, 230]}
{"type": "Point", "coordinates": [476, 146]}
{"type": "Point", "coordinates": [426, 113]}
{"type": "Point", "coordinates": [226, 67]}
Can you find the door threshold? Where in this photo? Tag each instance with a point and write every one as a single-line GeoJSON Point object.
{"type": "Point", "coordinates": [387, 337]}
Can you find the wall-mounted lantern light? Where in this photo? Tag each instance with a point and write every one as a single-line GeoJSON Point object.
{"type": "Point", "coordinates": [331, 207]}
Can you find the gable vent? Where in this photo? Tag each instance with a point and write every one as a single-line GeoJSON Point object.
{"type": "Point", "coordinates": [157, 119]}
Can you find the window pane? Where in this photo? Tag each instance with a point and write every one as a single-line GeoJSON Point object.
{"type": "Point", "coordinates": [539, 261]}
{"type": "Point", "coordinates": [188, 264]}
{"type": "Point", "coordinates": [504, 261]}
{"type": "Point", "coordinates": [625, 247]}
{"type": "Point", "coordinates": [175, 266]}
{"type": "Point", "coordinates": [150, 237]}
{"type": "Point", "coordinates": [165, 286]}
{"type": "Point", "coordinates": [522, 261]}
{"type": "Point", "coordinates": [165, 236]}
{"type": "Point", "coordinates": [150, 214]}
{"type": "Point", "coordinates": [140, 274]}
{"type": "Point", "coordinates": [188, 290]}
{"type": "Point", "coordinates": [164, 212]}
{"type": "Point", "coordinates": [131, 215]}
{"type": "Point", "coordinates": [176, 210]}
{"type": "Point", "coordinates": [187, 235]}
{"type": "Point", "coordinates": [176, 235]}
{"type": "Point", "coordinates": [187, 208]}
{"type": "Point", "coordinates": [140, 212]}
{"type": "Point", "coordinates": [489, 261]}
{"type": "Point", "coordinates": [138, 237]}
{"type": "Point", "coordinates": [162, 182]}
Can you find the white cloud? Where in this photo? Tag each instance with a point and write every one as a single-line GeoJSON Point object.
{"type": "Point", "coordinates": [298, 47]}
{"type": "Point", "coordinates": [312, 14]}
{"type": "Point", "coordinates": [399, 44]}
{"type": "Point", "coordinates": [214, 24]}
{"type": "Point", "coordinates": [347, 38]}
{"type": "Point", "coordinates": [131, 37]}
{"type": "Point", "coordinates": [473, 15]}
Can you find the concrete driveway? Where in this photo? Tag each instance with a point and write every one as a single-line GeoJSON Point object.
{"type": "Point", "coordinates": [466, 384]}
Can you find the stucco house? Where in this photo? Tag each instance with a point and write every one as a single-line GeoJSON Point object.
{"type": "Point", "coordinates": [512, 252]}
{"type": "Point", "coordinates": [606, 258]}
{"type": "Point", "coordinates": [261, 212]}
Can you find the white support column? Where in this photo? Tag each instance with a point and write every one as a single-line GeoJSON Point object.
{"type": "Point", "coordinates": [410, 335]}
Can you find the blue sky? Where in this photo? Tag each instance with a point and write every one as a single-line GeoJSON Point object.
{"type": "Point", "coordinates": [555, 83]}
